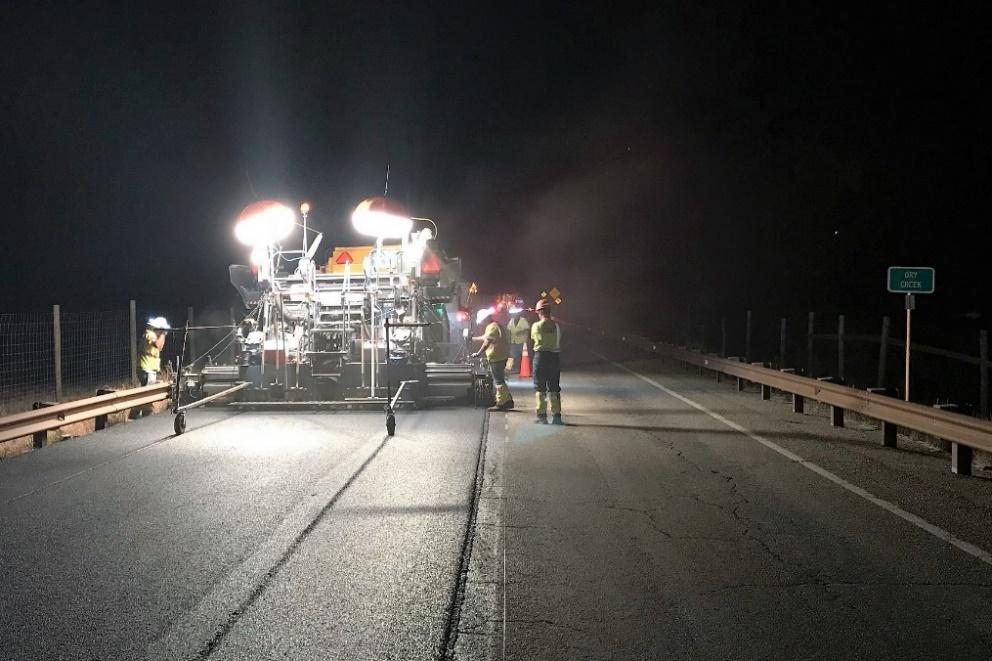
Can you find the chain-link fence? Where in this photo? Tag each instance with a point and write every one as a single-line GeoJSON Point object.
{"type": "Point", "coordinates": [62, 355]}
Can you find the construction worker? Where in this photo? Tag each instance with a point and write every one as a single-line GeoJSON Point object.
{"type": "Point", "coordinates": [519, 329]}
{"type": "Point", "coordinates": [546, 335]}
{"type": "Point", "coordinates": [150, 361]}
{"type": "Point", "coordinates": [151, 350]}
{"type": "Point", "coordinates": [496, 345]}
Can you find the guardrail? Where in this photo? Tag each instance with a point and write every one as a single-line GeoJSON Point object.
{"type": "Point", "coordinates": [964, 432]}
{"type": "Point", "coordinates": [38, 422]}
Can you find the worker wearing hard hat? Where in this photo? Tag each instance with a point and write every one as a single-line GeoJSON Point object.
{"type": "Point", "coordinates": [150, 361]}
{"type": "Point", "coordinates": [546, 334]}
{"type": "Point", "coordinates": [519, 329]}
{"type": "Point", "coordinates": [151, 350]}
{"type": "Point", "coordinates": [496, 345]}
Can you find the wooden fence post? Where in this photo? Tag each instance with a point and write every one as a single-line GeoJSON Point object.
{"type": "Point", "coordinates": [57, 337]}
{"type": "Point", "coordinates": [723, 337]}
{"type": "Point", "coordinates": [781, 344]}
{"type": "Point", "coordinates": [983, 365]}
{"type": "Point", "coordinates": [840, 348]}
{"type": "Point", "coordinates": [747, 338]}
{"type": "Point", "coordinates": [133, 328]}
{"type": "Point", "coordinates": [883, 352]}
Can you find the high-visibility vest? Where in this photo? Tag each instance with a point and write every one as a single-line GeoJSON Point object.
{"type": "Point", "coordinates": [499, 349]}
{"type": "Point", "coordinates": [519, 330]}
{"type": "Point", "coordinates": [150, 360]}
{"type": "Point", "coordinates": [546, 335]}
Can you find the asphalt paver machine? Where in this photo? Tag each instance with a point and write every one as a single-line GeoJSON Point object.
{"type": "Point", "coordinates": [381, 326]}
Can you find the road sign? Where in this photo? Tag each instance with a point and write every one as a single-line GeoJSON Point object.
{"type": "Point", "coordinates": [911, 279]}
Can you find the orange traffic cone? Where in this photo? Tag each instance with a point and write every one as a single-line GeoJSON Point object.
{"type": "Point", "coordinates": [525, 363]}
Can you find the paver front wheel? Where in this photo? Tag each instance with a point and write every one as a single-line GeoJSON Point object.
{"type": "Point", "coordinates": [179, 424]}
{"type": "Point", "coordinates": [391, 424]}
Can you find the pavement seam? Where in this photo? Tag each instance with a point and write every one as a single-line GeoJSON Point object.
{"type": "Point", "coordinates": [449, 637]}
{"type": "Point", "coordinates": [233, 617]}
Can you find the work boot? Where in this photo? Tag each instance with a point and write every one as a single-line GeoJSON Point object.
{"type": "Point", "coordinates": [542, 419]}
{"type": "Point", "coordinates": [508, 406]}
{"type": "Point", "coordinates": [556, 419]}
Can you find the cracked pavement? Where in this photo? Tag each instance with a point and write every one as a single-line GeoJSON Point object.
{"type": "Point", "coordinates": [645, 529]}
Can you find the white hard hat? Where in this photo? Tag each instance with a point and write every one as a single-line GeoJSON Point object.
{"type": "Point", "coordinates": [481, 315]}
{"type": "Point", "coordinates": [159, 323]}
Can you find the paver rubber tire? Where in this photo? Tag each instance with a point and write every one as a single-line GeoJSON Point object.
{"type": "Point", "coordinates": [179, 424]}
{"type": "Point", "coordinates": [391, 424]}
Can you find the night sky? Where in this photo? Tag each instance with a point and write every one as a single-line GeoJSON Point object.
{"type": "Point", "coordinates": [654, 161]}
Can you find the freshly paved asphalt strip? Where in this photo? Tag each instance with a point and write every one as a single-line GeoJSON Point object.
{"type": "Point", "coordinates": [648, 528]}
{"type": "Point", "coordinates": [253, 535]}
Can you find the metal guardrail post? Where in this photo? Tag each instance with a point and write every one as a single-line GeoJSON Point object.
{"type": "Point", "coordinates": [961, 456]}
{"type": "Point", "coordinates": [889, 434]}
{"type": "Point", "coordinates": [798, 403]}
{"type": "Point", "coordinates": [100, 421]}
{"type": "Point", "coordinates": [883, 352]}
{"type": "Point", "coordinates": [747, 338]}
{"type": "Point", "coordinates": [836, 416]}
{"type": "Point", "coordinates": [983, 365]}
{"type": "Point", "coordinates": [57, 339]}
{"type": "Point", "coordinates": [39, 438]}
{"type": "Point", "coordinates": [840, 349]}
{"type": "Point", "coordinates": [809, 346]}
{"type": "Point", "coordinates": [134, 342]}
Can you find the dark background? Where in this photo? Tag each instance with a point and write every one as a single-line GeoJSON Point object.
{"type": "Point", "coordinates": [657, 162]}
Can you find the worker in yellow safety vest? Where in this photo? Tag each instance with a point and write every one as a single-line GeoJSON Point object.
{"type": "Point", "coordinates": [546, 334]}
{"type": "Point", "coordinates": [150, 360]}
{"type": "Point", "coordinates": [151, 350]}
{"type": "Point", "coordinates": [496, 345]}
{"type": "Point", "coordinates": [519, 329]}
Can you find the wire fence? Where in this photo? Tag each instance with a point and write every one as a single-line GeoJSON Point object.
{"type": "Point", "coordinates": [59, 355]}
{"type": "Point", "coordinates": [96, 351]}
{"type": "Point", "coordinates": [27, 353]}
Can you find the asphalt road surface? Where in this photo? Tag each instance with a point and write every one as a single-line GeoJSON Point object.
{"type": "Point", "coordinates": [671, 518]}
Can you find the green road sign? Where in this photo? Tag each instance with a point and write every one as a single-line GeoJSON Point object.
{"type": "Point", "coordinates": [911, 279]}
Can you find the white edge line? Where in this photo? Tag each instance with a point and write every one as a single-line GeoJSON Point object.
{"type": "Point", "coordinates": [502, 477]}
{"type": "Point", "coordinates": [919, 522]}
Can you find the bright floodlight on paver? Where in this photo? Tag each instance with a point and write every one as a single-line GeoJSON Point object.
{"type": "Point", "coordinates": [382, 218]}
{"type": "Point", "coordinates": [263, 223]}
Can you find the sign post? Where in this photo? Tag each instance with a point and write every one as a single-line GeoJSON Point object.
{"type": "Point", "coordinates": [910, 280]}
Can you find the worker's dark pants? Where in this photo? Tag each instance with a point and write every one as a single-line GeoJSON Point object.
{"type": "Point", "coordinates": [547, 371]}
{"type": "Point", "coordinates": [547, 375]}
{"type": "Point", "coordinates": [498, 368]}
